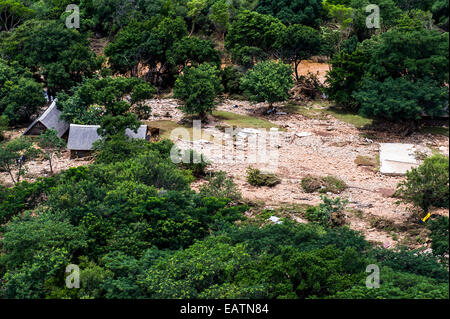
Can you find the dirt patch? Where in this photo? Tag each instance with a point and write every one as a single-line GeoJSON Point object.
{"type": "Point", "coordinates": [317, 68]}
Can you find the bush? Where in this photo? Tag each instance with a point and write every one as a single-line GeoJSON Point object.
{"type": "Point", "coordinates": [23, 196]}
{"type": "Point", "coordinates": [231, 80]}
{"type": "Point", "coordinates": [221, 187]}
{"type": "Point", "coordinates": [196, 163]}
{"type": "Point", "coordinates": [327, 184]}
{"type": "Point", "coordinates": [427, 185]}
{"type": "Point", "coordinates": [3, 126]}
{"type": "Point", "coordinates": [330, 213]}
{"type": "Point", "coordinates": [257, 178]}
{"type": "Point", "coordinates": [439, 236]}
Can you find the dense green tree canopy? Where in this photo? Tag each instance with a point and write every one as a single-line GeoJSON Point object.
{"type": "Point", "coordinates": [60, 55]}
{"type": "Point", "coordinates": [307, 12]}
{"type": "Point", "coordinates": [20, 94]}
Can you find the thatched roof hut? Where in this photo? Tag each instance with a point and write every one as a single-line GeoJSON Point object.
{"type": "Point", "coordinates": [50, 119]}
{"type": "Point", "coordinates": [82, 137]}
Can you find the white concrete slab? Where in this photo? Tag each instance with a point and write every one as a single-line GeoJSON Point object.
{"type": "Point", "coordinates": [397, 158]}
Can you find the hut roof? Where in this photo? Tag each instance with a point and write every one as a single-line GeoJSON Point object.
{"type": "Point", "coordinates": [51, 120]}
{"type": "Point", "coordinates": [81, 137]}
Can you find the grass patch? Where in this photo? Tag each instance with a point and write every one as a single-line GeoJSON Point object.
{"type": "Point", "coordinates": [435, 130]}
{"type": "Point", "coordinates": [350, 118]}
{"type": "Point", "coordinates": [320, 113]}
{"type": "Point", "coordinates": [365, 161]}
{"type": "Point", "coordinates": [243, 121]}
{"type": "Point", "coordinates": [308, 112]}
{"type": "Point", "coordinates": [327, 184]}
{"type": "Point", "coordinates": [166, 127]}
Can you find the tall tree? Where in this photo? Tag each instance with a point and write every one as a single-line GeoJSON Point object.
{"type": "Point", "coordinates": [20, 94]}
{"type": "Point", "coordinates": [51, 144]}
{"type": "Point", "coordinates": [60, 55]}
{"type": "Point", "coordinates": [299, 43]}
{"type": "Point", "coordinates": [268, 82]}
{"type": "Point", "coordinates": [198, 88]}
{"type": "Point", "coordinates": [12, 14]}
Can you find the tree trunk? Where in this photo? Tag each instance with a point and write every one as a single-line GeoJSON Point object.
{"type": "Point", "coordinates": [50, 162]}
{"type": "Point", "coordinates": [12, 176]}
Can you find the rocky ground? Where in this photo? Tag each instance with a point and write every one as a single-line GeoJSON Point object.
{"type": "Point", "coordinates": [305, 146]}
{"type": "Point", "coordinates": [330, 147]}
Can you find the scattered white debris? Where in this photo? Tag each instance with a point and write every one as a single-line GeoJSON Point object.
{"type": "Point", "coordinates": [281, 113]}
{"type": "Point", "coordinates": [303, 134]}
{"type": "Point", "coordinates": [275, 219]}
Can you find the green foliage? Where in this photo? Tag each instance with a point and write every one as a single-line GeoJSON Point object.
{"type": "Point", "coordinates": [231, 80]}
{"type": "Point", "coordinates": [439, 236]}
{"type": "Point", "coordinates": [12, 13]}
{"type": "Point", "coordinates": [401, 99]}
{"type": "Point", "coordinates": [391, 76]}
{"type": "Point", "coordinates": [221, 187]}
{"type": "Point", "coordinates": [428, 184]}
{"type": "Point", "coordinates": [252, 37]}
{"type": "Point", "coordinates": [147, 44]}
{"type": "Point", "coordinates": [102, 101]}
{"type": "Point", "coordinates": [345, 77]}
{"type": "Point", "coordinates": [27, 236]}
{"type": "Point", "coordinates": [329, 213]}
{"type": "Point", "coordinates": [257, 178]}
{"type": "Point", "coordinates": [118, 147]}
{"type": "Point", "coordinates": [440, 13]}
{"type": "Point", "coordinates": [3, 126]}
{"type": "Point", "coordinates": [220, 15]}
{"type": "Point", "coordinates": [194, 162]}
{"type": "Point", "coordinates": [130, 220]}
{"type": "Point", "coordinates": [397, 285]}
{"type": "Point", "coordinates": [23, 196]}
{"type": "Point", "coordinates": [298, 43]}
{"type": "Point", "coordinates": [307, 12]}
{"type": "Point", "coordinates": [20, 95]}
{"type": "Point", "coordinates": [268, 81]}
{"type": "Point", "coordinates": [197, 272]}
{"type": "Point", "coordinates": [13, 157]}
{"type": "Point", "coordinates": [415, 262]}
{"type": "Point", "coordinates": [51, 144]}
{"type": "Point", "coordinates": [198, 88]}
{"type": "Point", "coordinates": [193, 51]}
{"type": "Point", "coordinates": [61, 55]}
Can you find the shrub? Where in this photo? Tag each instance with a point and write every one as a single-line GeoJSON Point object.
{"type": "Point", "coordinates": [439, 236]}
{"type": "Point", "coordinates": [427, 185]}
{"type": "Point", "coordinates": [3, 126]}
{"type": "Point", "coordinates": [327, 184]}
{"type": "Point", "coordinates": [330, 213]}
{"type": "Point", "coordinates": [231, 79]}
{"type": "Point", "coordinates": [196, 163]}
{"type": "Point", "coordinates": [257, 178]}
{"type": "Point", "coordinates": [222, 187]}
